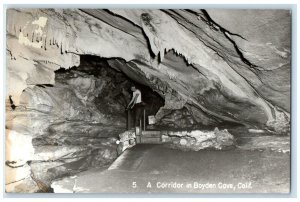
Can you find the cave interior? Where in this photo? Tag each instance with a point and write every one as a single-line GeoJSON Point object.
{"type": "Point", "coordinates": [212, 79]}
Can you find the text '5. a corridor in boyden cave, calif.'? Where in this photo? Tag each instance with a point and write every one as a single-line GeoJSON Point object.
{"type": "Point", "coordinates": [147, 101]}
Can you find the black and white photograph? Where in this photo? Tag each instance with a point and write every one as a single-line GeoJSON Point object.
{"type": "Point", "coordinates": [147, 100]}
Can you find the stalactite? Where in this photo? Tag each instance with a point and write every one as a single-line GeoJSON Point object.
{"type": "Point", "coordinates": [61, 49]}
{"type": "Point", "coordinates": [32, 37]}
{"type": "Point", "coordinates": [45, 44]}
{"type": "Point", "coordinates": [12, 105]}
{"type": "Point", "coordinates": [50, 43]}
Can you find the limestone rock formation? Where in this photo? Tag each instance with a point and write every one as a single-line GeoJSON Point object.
{"type": "Point", "coordinates": [61, 130]}
{"type": "Point", "coordinates": [278, 144]}
{"type": "Point", "coordinates": [196, 140]}
{"type": "Point", "coordinates": [126, 140]}
{"type": "Point", "coordinates": [209, 66]}
{"type": "Point", "coordinates": [185, 55]}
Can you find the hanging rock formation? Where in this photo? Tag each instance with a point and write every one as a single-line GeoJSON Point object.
{"type": "Point", "coordinates": [238, 73]}
{"type": "Point", "coordinates": [210, 67]}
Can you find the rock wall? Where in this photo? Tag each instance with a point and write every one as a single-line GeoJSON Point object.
{"type": "Point", "coordinates": [70, 126]}
{"type": "Point", "coordinates": [60, 130]}
{"type": "Point", "coordinates": [223, 75]}
{"type": "Point", "coordinates": [210, 67]}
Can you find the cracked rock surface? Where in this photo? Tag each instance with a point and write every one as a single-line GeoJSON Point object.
{"type": "Point", "coordinates": [197, 140]}
{"type": "Point", "coordinates": [211, 67]}
{"type": "Point", "coordinates": [237, 72]}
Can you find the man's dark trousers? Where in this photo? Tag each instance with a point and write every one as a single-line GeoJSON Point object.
{"type": "Point", "coordinates": [138, 112]}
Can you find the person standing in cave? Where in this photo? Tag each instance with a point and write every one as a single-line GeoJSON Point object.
{"type": "Point", "coordinates": [136, 104]}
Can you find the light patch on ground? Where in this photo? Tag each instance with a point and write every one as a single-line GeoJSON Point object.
{"type": "Point", "coordinates": [63, 189]}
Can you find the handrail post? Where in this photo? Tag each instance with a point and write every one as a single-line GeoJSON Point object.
{"type": "Point", "coordinates": [129, 124]}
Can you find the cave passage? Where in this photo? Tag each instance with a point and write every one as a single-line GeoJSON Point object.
{"type": "Point", "coordinates": [82, 117]}
{"type": "Point", "coordinates": [112, 87]}
{"type": "Point", "coordinates": [215, 83]}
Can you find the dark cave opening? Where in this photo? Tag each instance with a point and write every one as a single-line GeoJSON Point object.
{"type": "Point", "coordinates": [66, 131]}
{"type": "Point", "coordinates": [83, 116]}
{"type": "Point", "coordinates": [114, 86]}
{"type": "Point", "coordinates": [111, 94]}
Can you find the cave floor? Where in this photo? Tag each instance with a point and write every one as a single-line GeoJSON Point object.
{"type": "Point", "coordinates": [160, 169]}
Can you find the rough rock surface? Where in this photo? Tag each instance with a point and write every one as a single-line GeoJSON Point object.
{"type": "Point", "coordinates": [61, 130]}
{"type": "Point", "coordinates": [278, 144]}
{"type": "Point", "coordinates": [184, 55]}
{"type": "Point", "coordinates": [73, 125]}
{"type": "Point", "coordinates": [197, 140]}
{"type": "Point", "coordinates": [127, 140]}
{"type": "Point", "coordinates": [207, 70]}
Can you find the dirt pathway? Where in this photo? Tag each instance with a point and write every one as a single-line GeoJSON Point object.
{"type": "Point", "coordinates": [159, 169]}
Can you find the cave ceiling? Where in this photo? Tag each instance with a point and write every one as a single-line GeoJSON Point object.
{"type": "Point", "coordinates": [229, 65]}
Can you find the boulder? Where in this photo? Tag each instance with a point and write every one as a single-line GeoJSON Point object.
{"type": "Point", "coordinates": [197, 140]}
